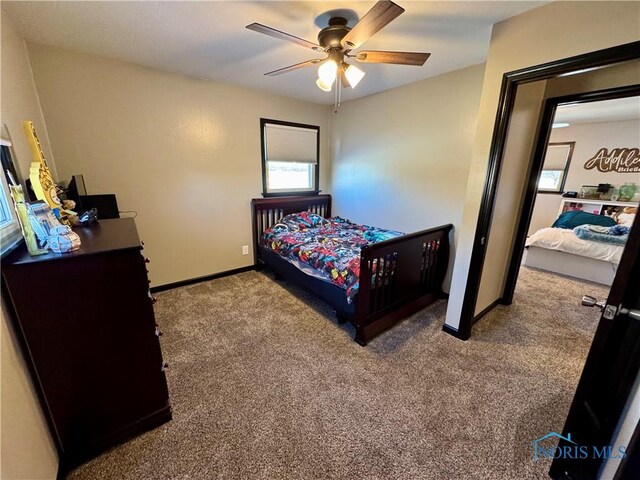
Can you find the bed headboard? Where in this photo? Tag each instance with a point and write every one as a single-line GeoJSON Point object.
{"type": "Point", "coordinates": [266, 212]}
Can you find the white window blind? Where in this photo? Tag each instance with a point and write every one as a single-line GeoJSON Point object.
{"type": "Point", "coordinates": [290, 144]}
{"type": "Point", "coordinates": [556, 158]}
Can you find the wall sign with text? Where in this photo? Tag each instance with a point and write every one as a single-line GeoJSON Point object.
{"type": "Point", "coordinates": [621, 160]}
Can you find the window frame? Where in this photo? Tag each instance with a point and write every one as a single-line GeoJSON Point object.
{"type": "Point", "coordinates": [565, 171]}
{"type": "Point", "coordinates": [10, 231]}
{"type": "Point", "coordinates": [316, 180]}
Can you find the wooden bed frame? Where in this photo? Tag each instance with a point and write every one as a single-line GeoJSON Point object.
{"type": "Point", "coordinates": [413, 268]}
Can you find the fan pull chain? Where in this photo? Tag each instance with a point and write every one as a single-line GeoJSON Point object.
{"type": "Point", "coordinates": [337, 95]}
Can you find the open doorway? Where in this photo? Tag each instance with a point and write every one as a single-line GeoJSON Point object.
{"type": "Point", "coordinates": [585, 206]}
{"type": "Point", "coordinates": [588, 191]}
{"type": "Point", "coordinates": [522, 134]}
{"type": "Point", "coordinates": [598, 161]}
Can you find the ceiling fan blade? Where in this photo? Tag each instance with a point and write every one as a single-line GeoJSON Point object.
{"type": "Point", "coordinates": [382, 13]}
{"type": "Point", "coordinates": [400, 58]}
{"type": "Point", "coordinates": [291, 68]}
{"type": "Point", "coordinates": [258, 27]}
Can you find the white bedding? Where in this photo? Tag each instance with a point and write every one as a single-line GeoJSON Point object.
{"type": "Point", "coordinates": [566, 241]}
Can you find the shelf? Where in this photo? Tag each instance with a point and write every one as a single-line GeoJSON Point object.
{"type": "Point", "coordinates": [600, 202]}
{"type": "Point", "coordinates": [593, 206]}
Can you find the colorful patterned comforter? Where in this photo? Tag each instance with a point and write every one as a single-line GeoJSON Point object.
{"type": "Point", "coordinates": [331, 246]}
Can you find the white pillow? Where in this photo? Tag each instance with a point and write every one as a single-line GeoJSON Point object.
{"type": "Point", "coordinates": [626, 219]}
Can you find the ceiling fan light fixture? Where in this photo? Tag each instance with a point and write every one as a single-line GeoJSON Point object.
{"type": "Point", "coordinates": [322, 85]}
{"type": "Point", "coordinates": [353, 74]}
{"type": "Point", "coordinates": [327, 72]}
{"type": "Point", "coordinates": [337, 40]}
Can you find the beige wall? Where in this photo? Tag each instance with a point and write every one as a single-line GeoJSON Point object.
{"type": "Point", "coordinates": [511, 184]}
{"type": "Point", "coordinates": [181, 152]}
{"type": "Point", "coordinates": [589, 138]}
{"type": "Point", "coordinates": [551, 32]}
{"type": "Point", "coordinates": [19, 100]}
{"type": "Point", "coordinates": [401, 157]}
{"type": "Point", "coordinates": [26, 448]}
{"type": "Point", "coordinates": [545, 211]}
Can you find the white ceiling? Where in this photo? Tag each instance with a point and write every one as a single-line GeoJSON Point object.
{"type": "Point", "coordinates": [208, 39]}
{"type": "Point", "coordinates": [605, 111]}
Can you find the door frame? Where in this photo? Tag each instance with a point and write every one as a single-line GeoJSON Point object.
{"type": "Point", "coordinates": [540, 150]}
{"type": "Point", "coordinates": [510, 83]}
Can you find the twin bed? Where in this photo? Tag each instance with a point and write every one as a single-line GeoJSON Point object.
{"type": "Point", "coordinates": [586, 251]}
{"type": "Point", "coordinates": [372, 277]}
{"type": "Point", "coordinates": [561, 251]}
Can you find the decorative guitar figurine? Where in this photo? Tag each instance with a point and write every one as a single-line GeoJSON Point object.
{"type": "Point", "coordinates": [23, 217]}
{"type": "Point", "coordinates": [40, 175]}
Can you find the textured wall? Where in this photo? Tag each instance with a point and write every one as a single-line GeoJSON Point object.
{"type": "Point", "coordinates": [517, 153]}
{"type": "Point", "coordinates": [401, 157]}
{"type": "Point", "coordinates": [183, 153]}
{"type": "Point", "coordinates": [589, 138]}
{"type": "Point", "coordinates": [27, 450]}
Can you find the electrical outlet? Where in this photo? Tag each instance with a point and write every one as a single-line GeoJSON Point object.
{"type": "Point", "coordinates": [245, 249]}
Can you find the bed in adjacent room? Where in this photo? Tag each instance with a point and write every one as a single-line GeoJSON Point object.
{"type": "Point", "coordinates": [581, 245]}
{"type": "Point", "coordinates": [300, 241]}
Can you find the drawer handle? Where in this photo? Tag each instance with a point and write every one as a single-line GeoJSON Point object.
{"type": "Point", "coordinates": [147, 260]}
{"type": "Point", "coordinates": [142, 242]}
{"type": "Point", "coordinates": [165, 366]}
{"type": "Point", "coordinates": [158, 332]}
{"type": "Point", "coordinates": [153, 299]}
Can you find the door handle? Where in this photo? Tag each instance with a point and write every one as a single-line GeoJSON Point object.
{"type": "Point", "coordinates": [609, 310]}
{"type": "Point", "coordinates": [589, 301]}
{"type": "Point", "coordinates": [635, 314]}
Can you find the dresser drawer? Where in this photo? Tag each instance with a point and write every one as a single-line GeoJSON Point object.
{"type": "Point", "coordinates": [88, 324]}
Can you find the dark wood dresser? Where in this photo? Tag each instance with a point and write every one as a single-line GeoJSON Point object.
{"type": "Point", "coordinates": [86, 323]}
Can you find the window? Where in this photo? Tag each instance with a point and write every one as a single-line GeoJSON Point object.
{"type": "Point", "coordinates": [10, 232]}
{"type": "Point", "coordinates": [555, 167]}
{"type": "Point", "coordinates": [550, 180]}
{"type": "Point", "coordinates": [290, 157]}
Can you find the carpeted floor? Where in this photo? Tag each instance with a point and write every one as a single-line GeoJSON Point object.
{"type": "Point", "coordinates": [266, 385]}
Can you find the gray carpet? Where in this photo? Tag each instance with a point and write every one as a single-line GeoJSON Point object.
{"type": "Point", "coordinates": [266, 385]}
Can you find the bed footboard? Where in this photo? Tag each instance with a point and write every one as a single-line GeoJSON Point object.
{"type": "Point", "coordinates": [404, 275]}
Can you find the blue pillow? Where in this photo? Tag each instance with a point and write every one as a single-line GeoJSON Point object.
{"type": "Point", "coordinates": [575, 218]}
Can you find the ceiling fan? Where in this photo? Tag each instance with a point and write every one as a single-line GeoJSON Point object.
{"type": "Point", "coordinates": [338, 40]}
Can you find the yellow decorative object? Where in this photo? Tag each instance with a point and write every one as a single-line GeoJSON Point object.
{"type": "Point", "coordinates": [39, 173]}
{"type": "Point", "coordinates": [23, 217]}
